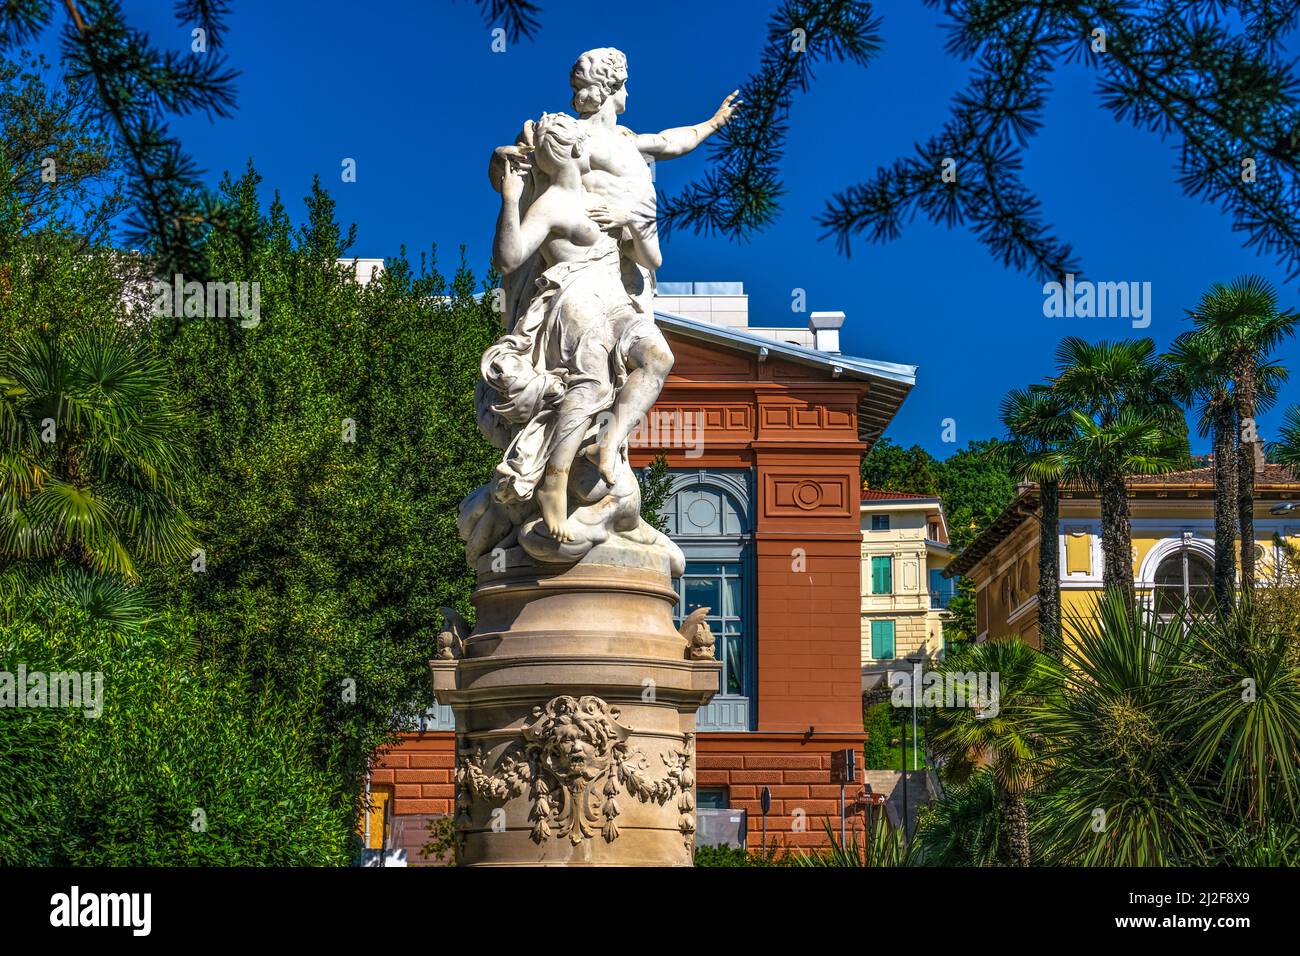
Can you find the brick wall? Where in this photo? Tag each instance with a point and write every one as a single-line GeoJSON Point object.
{"type": "Point", "coordinates": [419, 772]}
{"type": "Point", "coordinates": [798, 771]}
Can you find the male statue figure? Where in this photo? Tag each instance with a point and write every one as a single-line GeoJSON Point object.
{"type": "Point", "coordinates": [581, 361]}
{"type": "Point", "coordinates": [619, 177]}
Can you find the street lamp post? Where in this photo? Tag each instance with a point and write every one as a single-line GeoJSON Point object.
{"type": "Point", "coordinates": [918, 662]}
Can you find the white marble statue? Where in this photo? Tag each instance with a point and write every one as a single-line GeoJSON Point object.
{"type": "Point", "coordinates": [582, 360]}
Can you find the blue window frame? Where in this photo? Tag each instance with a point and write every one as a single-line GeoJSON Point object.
{"type": "Point", "coordinates": [880, 522]}
{"type": "Point", "coordinates": [882, 640]}
{"type": "Point", "coordinates": [719, 586]}
{"type": "Point", "coordinates": [709, 516]}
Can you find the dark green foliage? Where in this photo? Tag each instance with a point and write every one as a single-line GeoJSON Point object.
{"type": "Point", "coordinates": [732, 856]}
{"type": "Point", "coordinates": [1159, 742]}
{"type": "Point", "coordinates": [334, 441]}
{"type": "Point", "coordinates": [1276, 845]}
{"type": "Point", "coordinates": [1000, 734]}
{"type": "Point", "coordinates": [973, 492]}
{"type": "Point", "coordinates": [184, 766]}
{"type": "Point", "coordinates": [883, 847]}
{"type": "Point", "coordinates": [741, 193]}
{"type": "Point", "coordinates": [656, 485]}
{"type": "Point", "coordinates": [965, 828]}
{"type": "Point", "coordinates": [962, 627]}
{"type": "Point", "coordinates": [890, 467]}
{"type": "Point", "coordinates": [256, 684]}
{"type": "Point", "coordinates": [1119, 791]}
{"type": "Point", "coordinates": [94, 454]}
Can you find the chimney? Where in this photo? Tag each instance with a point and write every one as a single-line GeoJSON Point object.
{"type": "Point", "coordinates": [825, 327]}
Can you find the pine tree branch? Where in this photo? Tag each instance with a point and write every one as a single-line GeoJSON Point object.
{"type": "Point", "coordinates": [741, 192]}
{"type": "Point", "coordinates": [1170, 66]}
{"type": "Point", "coordinates": [517, 17]}
{"type": "Point", "coordinates": [208, 15]}
{"type": "Point", "coordinates": [136, 86]}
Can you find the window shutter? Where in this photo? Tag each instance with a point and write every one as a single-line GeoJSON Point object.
{"type": "Point", "coordinates": [882, 640]}
{"type": "Point", "coordinates": [882, 576]}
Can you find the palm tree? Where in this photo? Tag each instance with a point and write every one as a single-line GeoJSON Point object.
{"type": "Point", "coordinates": [1125, 421]}
{"type": "Point", "coordinates": [1287, 449]}
{"type": "Point", "coordinates": [964, 828]}
{"type": "Point", "coordinates": [1242, 322]}
{"type": "Point", "coordinates": [1001, 738]}
{"type": "Point", "coordinates": [92, 457]}
{"type": "Point", "coordinates": [1037, 422]}
{"type": "Point", "coordinates": [1242, 710]}
{"type": "Point", "coordinates": [1119, 791]}
{"type": "Point", "coordinates": [1200, 374]}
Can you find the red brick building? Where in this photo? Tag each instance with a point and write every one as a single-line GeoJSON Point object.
{"type": "Point", "coordinates": [764, 430]}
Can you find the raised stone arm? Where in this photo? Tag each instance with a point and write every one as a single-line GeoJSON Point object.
{"type": "Point", "coordinates": [517, 237]}
{"type": "Point", "coordinates": [680, 140]}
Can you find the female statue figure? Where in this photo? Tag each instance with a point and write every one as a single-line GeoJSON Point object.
{"type": "Point", "coordinates": [566, 357]}
{"type": "Point", "coordinates": [581, 361]}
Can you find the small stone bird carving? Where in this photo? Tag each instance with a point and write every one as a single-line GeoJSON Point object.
{"type": "Point", "coordinates": [451, 639]}
{"type": "Point", "coordinates": [699, 639]}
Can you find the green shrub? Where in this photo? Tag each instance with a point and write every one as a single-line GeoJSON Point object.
{"type": "Point", "coordinates": [184, 767]}
{"type": "Point", "coordinates": [878, 722]}
{"type": "Point", "coordinates": [735, 856]}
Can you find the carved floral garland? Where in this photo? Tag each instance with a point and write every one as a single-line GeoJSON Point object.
{"type": "Point", "coordinates": [573, 759]}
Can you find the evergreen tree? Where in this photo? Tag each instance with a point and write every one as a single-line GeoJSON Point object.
{"type": "Point", "coordinates": [135, 88]}
{"type": "Point", "coordinates": [334, 441]}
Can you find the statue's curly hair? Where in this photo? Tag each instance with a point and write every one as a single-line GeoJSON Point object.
{"type": "Point", "coordinates": [597, 74]}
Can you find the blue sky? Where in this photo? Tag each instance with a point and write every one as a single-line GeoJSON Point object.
{"type": "Point", "coordinates": [413, 92]}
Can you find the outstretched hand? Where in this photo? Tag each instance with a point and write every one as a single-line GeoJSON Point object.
{"type": "Point", "coordinates": [727, 110]}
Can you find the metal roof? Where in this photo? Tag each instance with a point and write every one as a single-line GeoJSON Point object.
{"type": "Point", "coordinates": [890, 382]}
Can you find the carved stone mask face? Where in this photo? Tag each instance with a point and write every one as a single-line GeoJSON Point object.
{"type": "Point", "coordinates": [574, 753]}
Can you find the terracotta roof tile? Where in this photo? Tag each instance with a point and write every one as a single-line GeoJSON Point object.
{"type": "Point", "coordinates": [1270, 474]}
{"type": "Point", "coordinates": [1026, 502]}
{"type": "Point", "coordinates": [871, 494]}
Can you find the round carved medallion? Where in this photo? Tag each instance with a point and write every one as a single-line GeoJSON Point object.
{"type": "Point", "coordinates": [808, 495]}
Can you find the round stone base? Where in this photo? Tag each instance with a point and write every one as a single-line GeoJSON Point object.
{"type": "Point", "coordinates": [575, 700]}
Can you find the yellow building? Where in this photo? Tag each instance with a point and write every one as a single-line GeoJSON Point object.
{"type": "Point", "coordinates": [1173, 547]}
{"type": "Point", "coordinates": [904, 593]}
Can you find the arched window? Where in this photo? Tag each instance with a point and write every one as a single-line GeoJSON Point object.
{"type": "Point", "coordinates": [708, 516]}
{"type": "Point", "coordinates": [1184, 580]}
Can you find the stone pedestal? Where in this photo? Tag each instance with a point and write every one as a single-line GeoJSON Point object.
{"type": "Point", "coordinates": [575, 700]}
